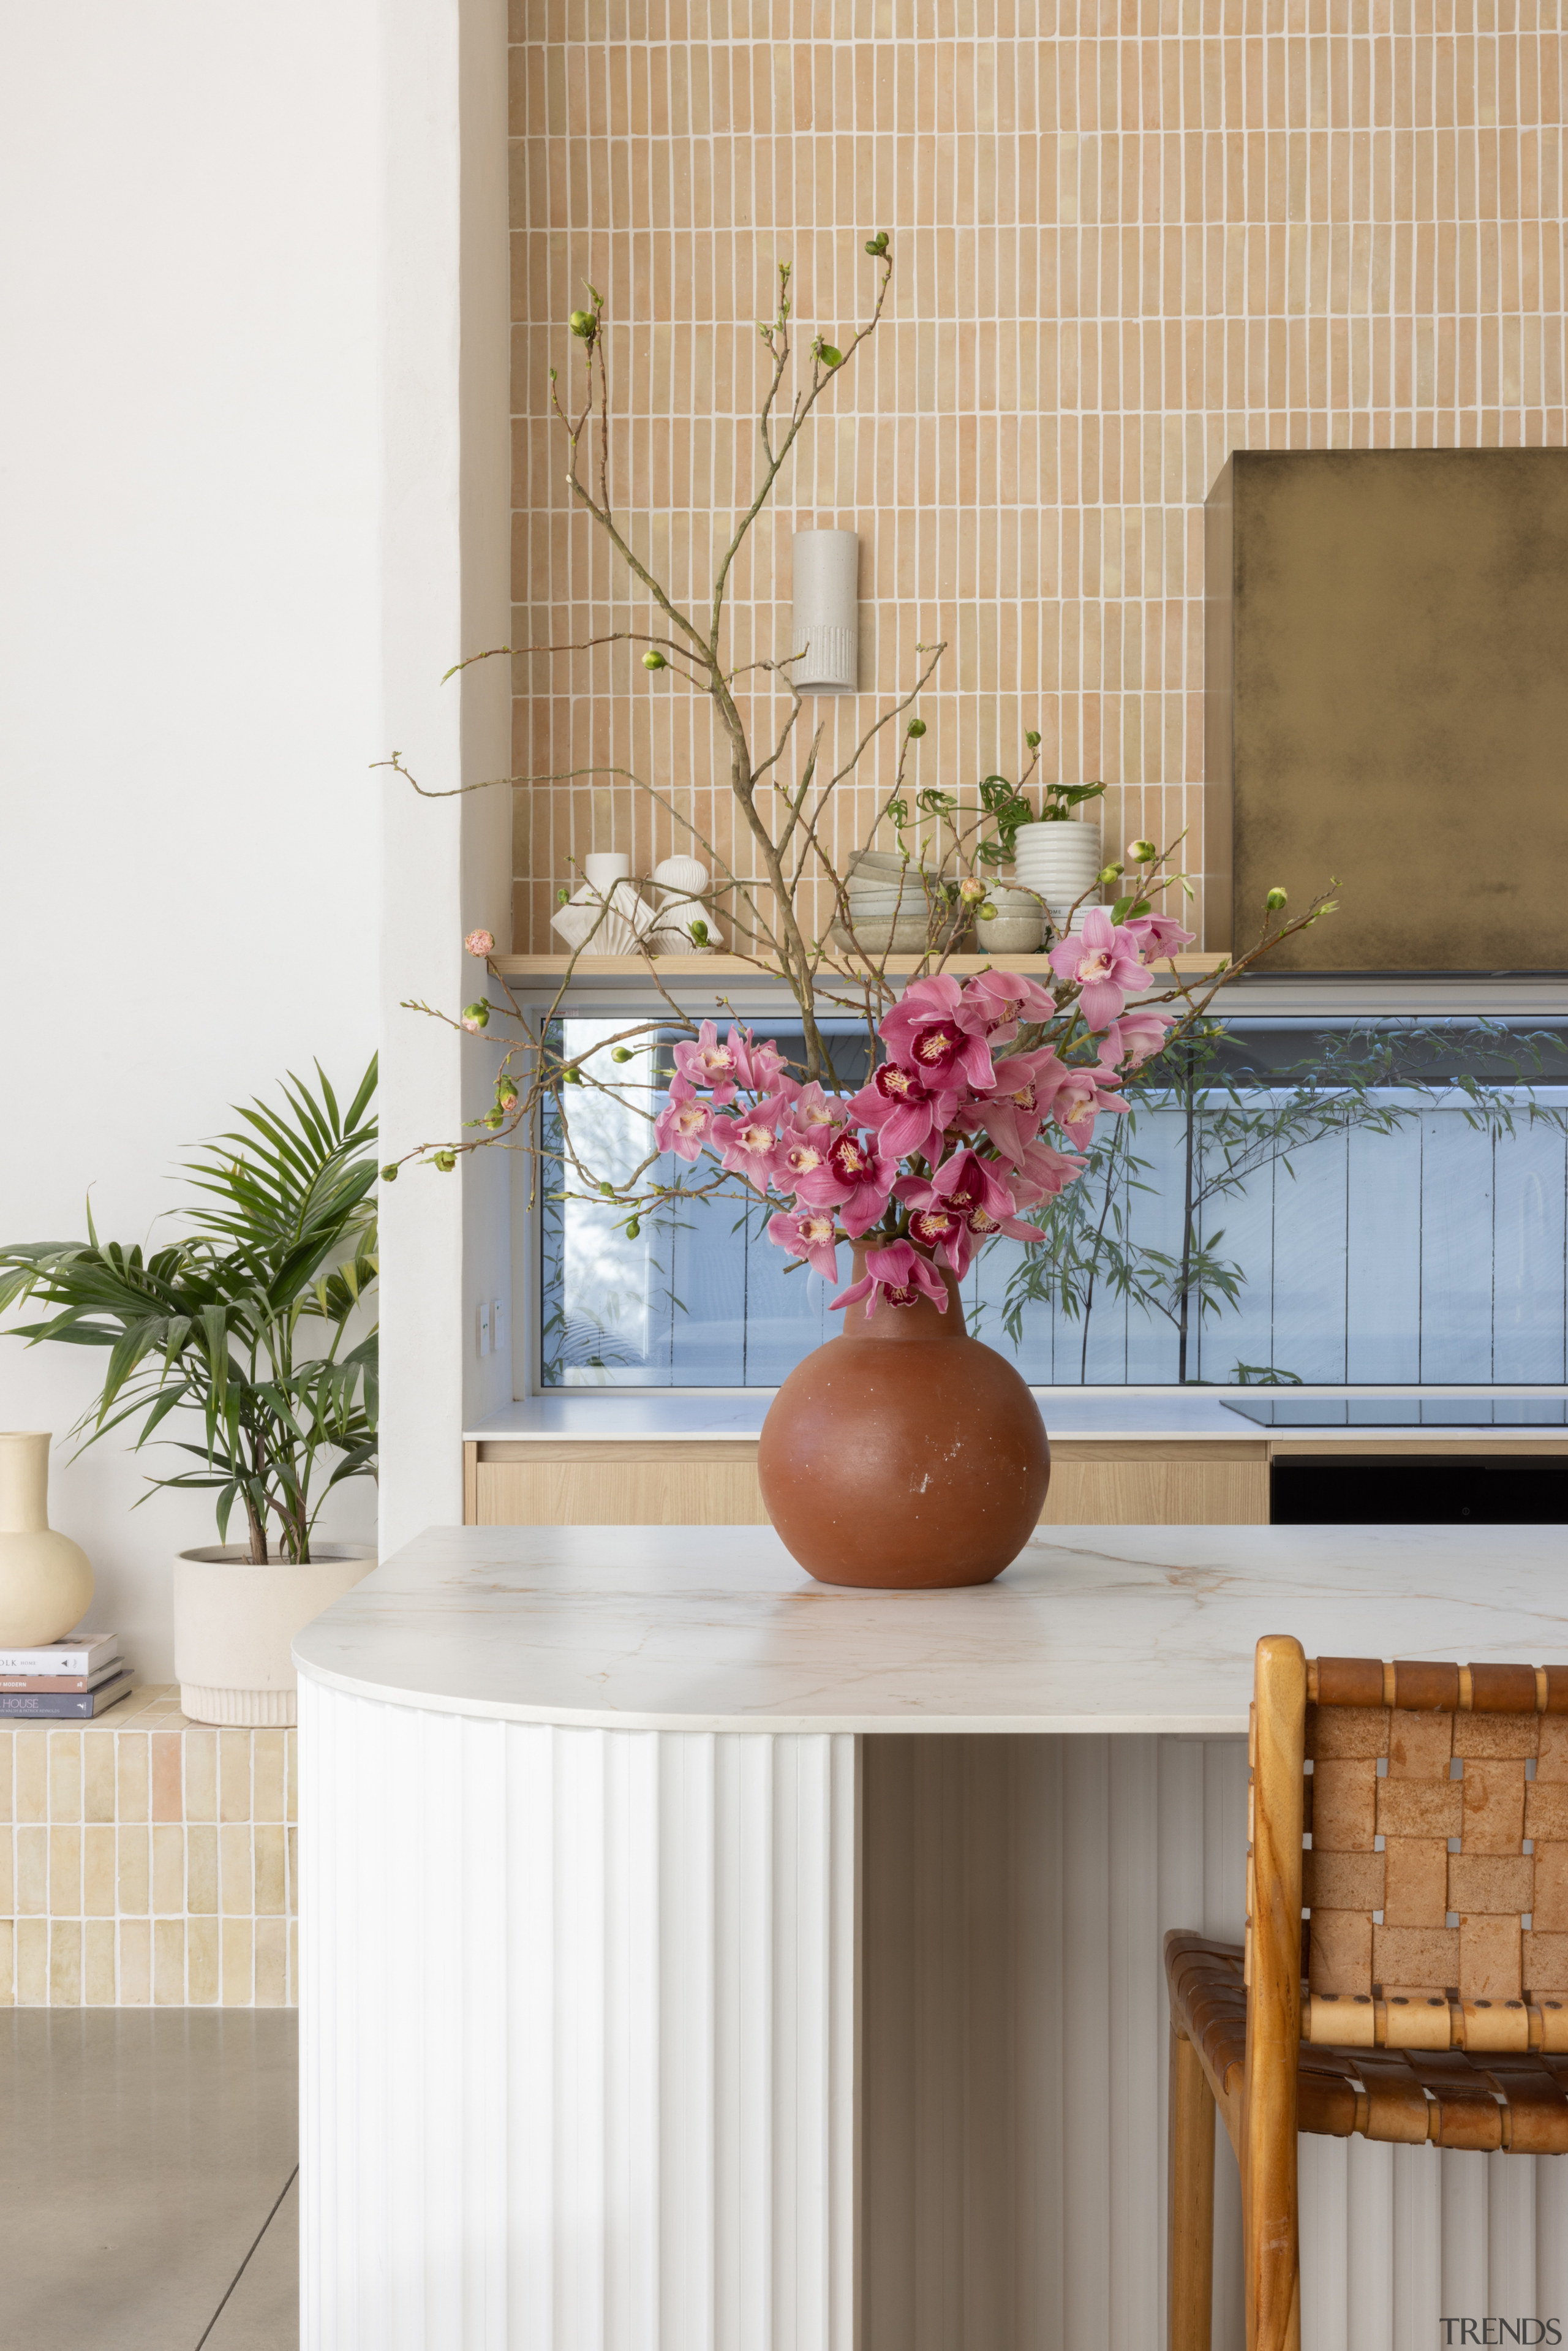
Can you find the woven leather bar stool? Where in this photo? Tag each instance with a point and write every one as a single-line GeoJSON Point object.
{"type": "Point", "coordinates": [1429, 1922]}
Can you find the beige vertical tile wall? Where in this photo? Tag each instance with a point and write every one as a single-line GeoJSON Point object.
{"type": "Point", "coordinates": [144, 1858]}
{"type": "Point", "coordinates": [1130, 235]}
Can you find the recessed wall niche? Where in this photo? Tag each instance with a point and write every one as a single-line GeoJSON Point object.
{"type": "Point", "coordinates": [1386, 702]}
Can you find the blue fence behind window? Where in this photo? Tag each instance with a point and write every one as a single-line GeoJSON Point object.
{"type": "Point", "coordinates": [1435, 1253]}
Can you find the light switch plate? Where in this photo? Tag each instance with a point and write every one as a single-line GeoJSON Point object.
{"type": "Point", "coordinates": [498, 1325]}
{"type": "Point", "coordinates": [484, 1327]}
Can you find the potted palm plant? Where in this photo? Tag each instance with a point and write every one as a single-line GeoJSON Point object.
{"type": "Point", "coordinates": [257, 1318]}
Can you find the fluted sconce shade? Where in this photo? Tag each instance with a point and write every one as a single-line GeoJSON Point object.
{"type": "Point", "coordinates": [826, 629]}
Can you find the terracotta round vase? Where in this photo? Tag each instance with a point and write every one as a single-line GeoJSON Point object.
{"type": "Point", "coordinates": [903, 1454]}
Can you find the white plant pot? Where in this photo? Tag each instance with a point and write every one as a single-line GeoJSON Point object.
{"type": "Point", "coordinates": [1061, 861]}
{"type": "Point", "coordinates": [235, 1625]}
{"type": "Point", "coordinates": [45, 1580]}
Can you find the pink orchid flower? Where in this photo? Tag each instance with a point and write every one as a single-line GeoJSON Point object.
{"type": "Point", "coordinates": [935, 1032]}
{"type": "Point", "coordinates": [1157, 935]}
{"type": "Point", "coordinates": [761, 1067]}
{"type": "Point", "coordinates": [1104, 961]}
{"type": "Point", "coordinates": [810, 1234]}
{"type": "Point", "coordinates": [811, 1107]}
{"type": "Point", "coordinates": [905, 1112]}
{"type": "Point", "coordinates": [1043, 1174]}
{"type": "Point", "coordinates": [1007, 996]}
{"type": "Point", "coordinates": [1083, 1095]}
{"type": "Point", "coordinates": [901, 1275]}
{"type": "Point", "coordinates": [857, 1180]}
{"type": "Point", "coordinates": [750, 1142]}
{"type": "Point", "coordinates": [1027, 1085]}
{"type": "Point", "coordinates": [708, 1063]}
{"type": "Point", "coordinates": [684, 1123]}
{"type": "Point", "coordinates": [801, 1154]}
{"type": "Point", "coordinates": [1135, 1038]}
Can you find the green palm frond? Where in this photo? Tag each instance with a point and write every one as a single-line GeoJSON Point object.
{"type": "Point", "coordinates": [284, 1232]}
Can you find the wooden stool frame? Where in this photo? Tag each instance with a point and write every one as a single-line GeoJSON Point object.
{"type": "Point", "coordinates": [1425, 1784]}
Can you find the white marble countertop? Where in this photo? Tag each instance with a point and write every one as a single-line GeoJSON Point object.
{"type": "Point", "coordinates": [1160, 1416]}
{"type": "Point", "coordinates": [1092, 1629]}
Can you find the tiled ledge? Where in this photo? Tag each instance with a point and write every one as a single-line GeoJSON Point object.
{"type": "Point", "coordinates": [146, 1858]}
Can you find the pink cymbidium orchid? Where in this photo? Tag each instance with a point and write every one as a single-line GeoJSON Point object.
{"type": "Point", "coordinates": [811, 1107]}
{"type": "Point", "coordinates": [1044, 1172]}
{"type": "Point", "coordinates": [1135, 1039]}
{"type": "Point", "coordinates": [905, 1111]}
{"type": "Point", "coordinates": [971, 1125]}
{"type": "Point", "coordinates": [1103, 962]}
{"type": "Point", "coordinates": [1027, 1085]}
{"type": "Point", "coordinates": [1083, 1095]}
{"type": "Point", "coordinates": [750, 1142]}
{"type": "Point", "coordinates": [709, 1064]}
{"type": "Point", "coordinates": [1006, 997]}
{"type": "Point", "coordinates": [1157, 935]}
{"type": "Point", "coordinates": [934, 1030]}
{"type": "Point", "coordinates": [810, 1233]}
{"type": "Point", "coordinates": [857, 1180]}
{"type": "Point", "coordinates": [903, 1276]}
{"type": "Point", "coordinates": [684, 1124]}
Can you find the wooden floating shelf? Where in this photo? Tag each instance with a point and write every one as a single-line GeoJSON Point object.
{"type": "Point", "coordinates": [722, 967]}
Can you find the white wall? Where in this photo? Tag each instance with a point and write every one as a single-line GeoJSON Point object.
{"type": "Point", "coordinates": [190, 839]}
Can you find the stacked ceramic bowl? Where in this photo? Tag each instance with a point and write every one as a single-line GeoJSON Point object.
{"type": "Point", "coordinates": [1062, 862]}
{"type": "Point", "coordinates": [893, 906]}
{"type": "Point", "coordinates": [1016, 924]}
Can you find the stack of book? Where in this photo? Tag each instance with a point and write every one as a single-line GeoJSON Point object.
{"type": "Point", "coordinates": [63, 1681]}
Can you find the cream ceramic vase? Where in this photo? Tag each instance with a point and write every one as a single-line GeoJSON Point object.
{"type": "Point", "coordinates": [235, 1625]}
{"type": "Point", "coordinates": [45, 1580]}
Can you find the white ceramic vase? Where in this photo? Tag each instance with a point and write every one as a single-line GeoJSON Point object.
{"type": "Point", "coordinates": [45, 1580]}
{"type": "Point", "coordinates": [1062, 860]}
{"type": "Point", "coordinates": [235, 1625]}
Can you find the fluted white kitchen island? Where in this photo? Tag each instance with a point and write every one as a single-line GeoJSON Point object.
{"type": "Point", "coordinates": [695, 1958]}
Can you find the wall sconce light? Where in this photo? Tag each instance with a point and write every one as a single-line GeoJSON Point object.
{"type": "Point", "coordinates": [826, 629]}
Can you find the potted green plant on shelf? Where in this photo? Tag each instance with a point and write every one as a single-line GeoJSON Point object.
{"type": "Point", "coordinates": [257, 1318]}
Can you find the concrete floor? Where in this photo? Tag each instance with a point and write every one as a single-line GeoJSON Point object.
{"type": "Point", "coordinates": [147, 2195]}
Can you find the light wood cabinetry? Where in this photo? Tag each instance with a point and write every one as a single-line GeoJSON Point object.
{"type": "Point", "coordinates": [713, 1482]}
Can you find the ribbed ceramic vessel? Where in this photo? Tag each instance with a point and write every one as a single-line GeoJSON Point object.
{"type": "Point", "coordinates": [904, 1455]}
{"type": "Point", "coordinates": [235, 1623]}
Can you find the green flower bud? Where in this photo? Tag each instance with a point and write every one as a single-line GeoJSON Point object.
{"type": "Point", "coordinates": [506, 1093]}
{"type": "Point", "coordinates": [1141, 852]}
{"type": "Point", "coordinates": [633, 1230]}
{"type": "Point", "coordinates": [877, 244]}
{"type": "Point", "coordinates": [621, 1053]}
{"type": "Point", "coordinates": [1109, 873]}
{"type": "Point", "coordinates": [608, 1190]}
{"type": "Point", "coordinates": [1031, 737]}
{"type": "Point", "coordinates": [1275, 901]}
{"type": "Point", "coordinates": [582, 323]}
{"type": "Point", "coordinates": [829, 355]}
{"type": "Point", "coordinates": [389, 1172]}
{"type": "Point", "coordinates": [572, 1077]}
{"type": "Point", "coordinates": [915, 728]}
{"type": "Point", "coordinates": [971, 890]}
{"type": "Point", "coordinates": [699, 933]}
{"type": "Point", "coordinates": [447, 1160]}
{"type": "Point", "coordinates": [494, 1119]}
{"type": "Point", "coordinates": [561, 897]}
{"type": "Point", "coordinates": [988, 912]}
{"type": "Point", "coordinates": [477, 1014]}
{"type": "Point", "coordinates": [655, 659]}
